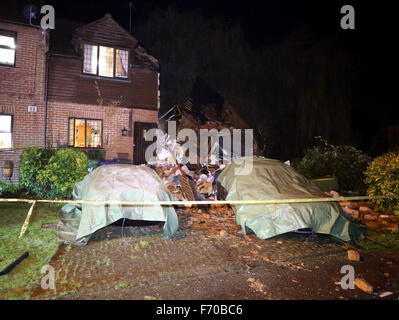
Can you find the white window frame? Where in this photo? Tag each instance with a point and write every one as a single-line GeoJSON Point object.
{"type": "Point", "coordinates": [9, 132]}
{"type": "Point", "coordinates": [11, 34]}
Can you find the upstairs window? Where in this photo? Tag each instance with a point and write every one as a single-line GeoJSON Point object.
{"type": "Point", "coordinates": [105, 61]}
{"type": "Point", "coordinates": [85, 133]}
{"type": "Point", "coordinates": [90, 59]}
{"type": "Point", "coordinates": [5, 131]}
{"type": "Point", "coordinates": [121, 62]}
{"type": "Point", "coordinates": [7, 47]}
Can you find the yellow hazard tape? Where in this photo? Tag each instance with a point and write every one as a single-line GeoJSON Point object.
{"type": "Point", "coordinates": [26, 223]}
{"type": "Point", "coordinates": [18, 148]}
{"type": "Point", "coordinates": [199, 202]}
{"type": "Point", "coordinates": [184, 203]}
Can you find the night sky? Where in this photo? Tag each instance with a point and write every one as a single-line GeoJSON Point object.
{"type": "Point", "coordinates": [267, 22]}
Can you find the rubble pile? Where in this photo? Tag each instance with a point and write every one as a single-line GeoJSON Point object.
{"type": "Point", "coordinates": [202, 179]}
{"type": "Point", "coordinates": [365, 212]}
{"type": "Point", "coordinates": [218, 219]}
{"type": "Point", "coordinates": [168, 163]}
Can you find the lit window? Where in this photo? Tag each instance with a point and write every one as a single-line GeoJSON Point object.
{"type": "Point", "coordinates": [5, 131]}
{"type": "Point", "coordinates": [105, 61]}
{"type": "Point", "coordinates": [121, 63]}
{"type": "Point", "coordinates": [90, 59]}
{"type": "Point", "coordinates": [7, 47]}
{"type": "Point", "coordinates": [85, 133]}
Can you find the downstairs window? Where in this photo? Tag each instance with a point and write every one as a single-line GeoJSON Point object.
{"type": "Point", "coordinates": [85, 133]}
{"type": "Point", "coordinates": [5, 131]}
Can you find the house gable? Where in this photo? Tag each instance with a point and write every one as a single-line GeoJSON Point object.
{"type": "Point", "coordinates": [68, 82]}
{"type": "Point", "coordinates": [104, 31]}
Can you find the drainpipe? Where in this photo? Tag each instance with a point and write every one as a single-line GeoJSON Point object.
{"type": "Point", "coordinates": [46, 98]}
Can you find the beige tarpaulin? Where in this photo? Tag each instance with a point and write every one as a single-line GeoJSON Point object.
{"type": "Point", "coordinates": [116, 183]}
{"type": "Point", "coordinates": [271, 179]}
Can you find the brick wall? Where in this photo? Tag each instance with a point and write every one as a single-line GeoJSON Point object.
{"type": "Point", "coordinates": [24, 85]}
{"type": "Point", "coordinates": [21, 86]}
{"type": "Point", "coordinates": [114, 120]}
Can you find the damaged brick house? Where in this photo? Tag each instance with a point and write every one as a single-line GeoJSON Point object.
{"type": "Point", "coordinates": [86, 86]}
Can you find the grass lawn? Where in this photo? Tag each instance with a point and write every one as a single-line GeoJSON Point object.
{"type": "Point", "coordinates": [41, 243]}
{"type": "Point", "coordinates": [380, 239]}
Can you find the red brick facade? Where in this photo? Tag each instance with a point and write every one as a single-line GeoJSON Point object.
{"type": "Point", "coordinates": [114, 120]}
{"type": "Point", "coordinates": [23, 85]}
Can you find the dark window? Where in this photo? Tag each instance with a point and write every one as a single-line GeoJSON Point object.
{"type": "Point", "coordinates": [5, 131]}
{"type": "Point", "coordinates": [85, 133]}
{"type": "Point", "coordinates": [105, 61]}
{"type": "Point", "coordinates": [7, 47]}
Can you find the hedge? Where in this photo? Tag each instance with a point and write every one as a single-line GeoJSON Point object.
{"type": "Point", "coordinates": [344, 162]}
{"type": "Point", "coordinates": [50, 173]}
{"type": "Point", "coordinates": [382, 177]}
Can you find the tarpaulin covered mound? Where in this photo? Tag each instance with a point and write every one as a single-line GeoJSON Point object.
{"type": "Point", "coordinates": [115, 183]}
{"type": "Point", "coordinates": [271, 179]}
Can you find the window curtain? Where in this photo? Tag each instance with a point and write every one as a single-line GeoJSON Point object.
{"type": "Point", "coordinates": [124, 61]}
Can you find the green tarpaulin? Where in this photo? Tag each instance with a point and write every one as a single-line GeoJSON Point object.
{"type": "Point", "coordinates": [271, 179]}
{"type": "Point", "coordinates": [115, 183]}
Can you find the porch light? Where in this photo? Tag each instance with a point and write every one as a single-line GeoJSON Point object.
{"type": "Point", "coordinates": [124, 132]}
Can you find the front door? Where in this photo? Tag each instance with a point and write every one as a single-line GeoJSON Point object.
{"type": "Point", "coordinates": [140, 145]}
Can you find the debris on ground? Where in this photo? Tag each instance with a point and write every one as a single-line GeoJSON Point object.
{"type": "Point", "coordinates": [223, 233]}
{"type": "Point", "coordinates": [363, 285]}
{"type": "Point", "coordinates": [385, 294]}
{"type": "Point", "coordinates": [49, 226]}
{"type": "Point", "coordinates": [257, 286]}
{"type": "Point", "coordinates": [13, 264]}
{"type": "Point", "coordinates": [353, 255]}
{"type": "Point", "coordinates": [202, 179]}
{"type": "Point", "coordinates": [333, 194]}
{"type": "Point", "coordinates": [365, 212]}
{"type": "Point", "coordinates": [217, 220]}
{"type": "Point", "coordinates": [220, 219]}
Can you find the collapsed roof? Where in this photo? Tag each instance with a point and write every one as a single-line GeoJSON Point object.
{"type": "Point", "coordinates": [209, 117]}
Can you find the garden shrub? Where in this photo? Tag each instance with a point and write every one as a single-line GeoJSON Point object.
{"type": "Point", "coordinates": [65, 168]}
{"type": "Point", "coordinates": [51, 173]}
{"type": "Point", "coordinates": [382, 177]}
{"type": "Point", "coordinates": [345, 162]}
{"type": "Point", "coordinates": [315, 163]}
{"type": "Point", "coordinates": [33, 161]}
{"type": "Point", "coordinates": [95, 154]}
{"type": "Point", "coordinates": [7, 190]}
